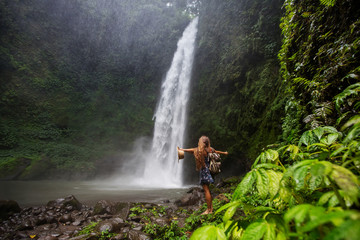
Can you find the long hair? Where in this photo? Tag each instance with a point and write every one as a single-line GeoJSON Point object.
{"type": "Point", "coordinates": [200, 152]}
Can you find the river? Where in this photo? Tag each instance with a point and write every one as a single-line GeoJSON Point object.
{"type": "Point", "coordinates": [36, 193]}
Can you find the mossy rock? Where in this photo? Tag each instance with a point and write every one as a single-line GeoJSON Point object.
{"type": "Point", "coordinates": [12, 168]}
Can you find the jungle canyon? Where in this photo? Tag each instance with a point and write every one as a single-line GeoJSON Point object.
{"type": "Point", "coordinates": [275, 83]}
{"type": "Point", "coordinates": [80, 81]}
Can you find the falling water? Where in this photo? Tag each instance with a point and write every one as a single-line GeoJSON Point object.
{"type": "Point", "coordinates": [163, 169]}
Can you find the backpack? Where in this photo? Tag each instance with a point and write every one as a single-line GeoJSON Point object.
{"type": "Point", "coordinates": [215, 163]}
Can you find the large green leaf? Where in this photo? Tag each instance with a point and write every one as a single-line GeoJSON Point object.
{"type": "Point", "coordinates": [321, 168]}
{"type": "Point", "coordinates": [297, 213]}
{"type": "Point", "coordinates": [208, 233]}
{"type": "Point", "coordinates": [230, 213]}
{"type": "Point", "coordinates": [315, 182]}
{"type": "Point", "coordinates": [268, 166]}
{"type": "Point", "coordinates": [319, 132]}
{"type": "Point", "coordinates": [274, 182]}
{"type": "Point", "coordinates": [353, 121]}
{"type": "Point", "coordinates": [300, 176]}
{"type": "Point", "coordinates": [329, 217]}
{"type": "Point", "coordinates": [307, 138]}
{"type": "Point", "coordinates": [272, 155]}
{"type": "Point", "coordinates": [330, 129]}
{"type": "Point", "coordinates": [285, 189]}
{"type": "Point", "coordinates": [229, 205]}
{"type": "Point", "coordinates": [348, 230]}
{"type": "Point", "coordinates": [330, 139]}
{"type": "Point", "coordinates": [353, 134]}
{"type": "Point", "coordinates": [255, 230]}
{"type": "Point", "coordinates": [270, 233]}
{"type": "Point", "coordinates": [236, 233]}
{"type": "Point", "coordinates": [347, 181]}
{"type": "Point", "coordinates": [262, 182]}
{"type": "Point", "coordinates": [245, 185]}
{"type": "Point", "coordinates": [293, 150]}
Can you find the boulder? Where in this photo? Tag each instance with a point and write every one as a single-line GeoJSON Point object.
{"type": "Point", "coordinates": [137, 235]}
{"type": "Point", "coordinates": [69, 203]}
{"type": "Point", "coordinates": [193, 197]}
{"type": "Point", "coordinates": [8, 207]}
{"type": "Point", "coordinates": [111, 225]}
{"type": "Point", "coordinates": [121, 209]}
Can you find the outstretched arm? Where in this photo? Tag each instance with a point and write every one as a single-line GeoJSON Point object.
{"type": "Point", "coordinates": [220, 152]}
{"type": "Point", "coordinates": [190, 150]}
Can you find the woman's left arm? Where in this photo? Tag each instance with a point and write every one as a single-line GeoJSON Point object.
{"type": "Point", "coordinates": [220, 152]}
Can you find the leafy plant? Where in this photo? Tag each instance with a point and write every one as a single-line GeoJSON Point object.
{"type": "Point", "coordinates": [329, 3]}
{"type": "Point", "coordinates": [307, 199]}
{"type": "Point", "coordinates": [88, 229]}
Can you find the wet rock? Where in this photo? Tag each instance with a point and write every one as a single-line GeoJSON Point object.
{"type": "Point", "coordinates": [40, 220]}
{"type": "Point", "coordinates": [138, 228]}
{"type": "Point", "coordinates": [36, 211]}
{"type": "Point", "coordinates": [65, 218]}
{"type": "Point", "coordinates": [161, 221]}
{"type": "Point", "coordinates": [45, 227]}
{"type": "Point", "coordinates": [193, 197]}
{"type": "Point", "coordinates": [8, 207]}
{"type": "Point", "coordinates": [48, 238]}
{"type": "Point", "coordinates": [26, 225]}
{"type": "Point", "coordinates": [70, 202]}
{"type": "Point", "coordinates": [55, 233]}
{"type": "Point", "coordinates": [21, 235]}
{"type": "Point", "coordinates": [137, 235]}
{"type": "Point", "coordinates": [78, 221]}
{"type": "Point", "coordinates": [111, 225]}
{"type": "Point", "coordinates": [136, 219]}
{"type": "Point", "coordinates": [103, 206]}
{"type": "Point", "coordinates": [121, 209]}
{"type": "Point", "coordinates": [50, 219]}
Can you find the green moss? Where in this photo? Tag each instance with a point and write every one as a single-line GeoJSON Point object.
{"type": "Point", "coordinates": [319, 58]}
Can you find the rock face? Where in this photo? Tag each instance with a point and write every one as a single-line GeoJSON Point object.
{"type": "Point", "coordinates": [8, 207]}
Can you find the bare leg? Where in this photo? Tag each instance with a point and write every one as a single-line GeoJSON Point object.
{"type": "Point", "coordinates": [208, 199]}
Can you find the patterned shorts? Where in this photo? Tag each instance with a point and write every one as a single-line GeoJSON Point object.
{"type": "Point", "coordinates": [205, 176]}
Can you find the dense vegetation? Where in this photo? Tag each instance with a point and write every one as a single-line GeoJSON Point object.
{"type": "Point", "coordinates": [79, 80]}
{"type": "Point", "coordinates": [236, 97]}
{"type": "Point", "coordinates": [307, 186]}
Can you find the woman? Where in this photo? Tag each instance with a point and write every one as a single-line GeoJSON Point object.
{"type": "Point", "coordinates": [202, 165]}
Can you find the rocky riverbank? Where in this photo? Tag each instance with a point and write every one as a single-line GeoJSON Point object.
{"type": "Point", "coordinates": [67, 218]}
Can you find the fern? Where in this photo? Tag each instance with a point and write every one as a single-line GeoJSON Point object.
{"type": "Point", "coordinates": [351, 91]}
{"type": "Point", "coordinates": [328, 3]}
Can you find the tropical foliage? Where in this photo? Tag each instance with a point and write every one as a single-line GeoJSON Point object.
{"type": "Point", "coordinates": [306, 186]}
{"type": "Point", "coordinates": [310, 190]}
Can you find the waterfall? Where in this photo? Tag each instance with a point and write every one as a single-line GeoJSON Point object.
{"type": "Point", "coordinates": [162, 167]}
